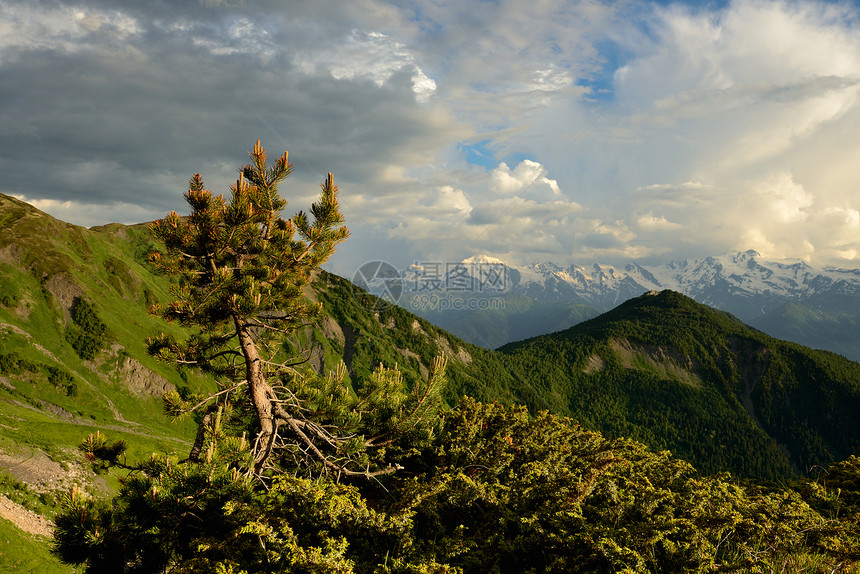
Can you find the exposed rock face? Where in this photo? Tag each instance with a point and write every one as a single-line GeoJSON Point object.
{"type": "Point", "coordinates": [668, 361]}
{"type": "Point", "coordinates": [26, 520]}
{"type": "Point", "coordinates": [57, 410]}
{"type": "Point", "coordinates": [9, 254]}
{"type": "Point", "coordinates": [461, 354]}
{"type": "Point", "coordinates": [595, 364]}
{"type": "Point", "coordinates": [38, 471]}
{"type": "Point", "coordinates": [332, 330]}
{"type": "Point", "coordinates": [64, 289]}
{"type": "Point", "coordinates": [41, 474]}
{"type": "Point", "coordinates": [141, 381]}
{"type": "Point", "coordinates": [416, 326]}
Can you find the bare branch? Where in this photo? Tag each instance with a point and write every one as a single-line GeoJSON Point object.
{"type": "Point", "coordinates": [216, 395]}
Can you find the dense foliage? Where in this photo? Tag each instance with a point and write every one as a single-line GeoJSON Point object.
{"type": "Point", "coordinates": [87, 334]}
{"type": "Point", "coordinates": [497, 491]}
{"type": "Point", "coordinates": [511, 493]}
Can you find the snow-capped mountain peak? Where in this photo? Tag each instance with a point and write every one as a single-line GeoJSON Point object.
{"type": "Point", "coordinates": [742, 283]}
{"type": "Point", "coordinates": [482, 260]}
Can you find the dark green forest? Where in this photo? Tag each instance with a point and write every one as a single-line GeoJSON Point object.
{"type": "Point", "coordinates": [661, 369]}
{"type": "Point", "coordinates": [678, 375]}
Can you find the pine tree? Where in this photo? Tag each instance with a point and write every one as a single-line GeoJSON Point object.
{"type": "Point", "coordinates": [239, 270]}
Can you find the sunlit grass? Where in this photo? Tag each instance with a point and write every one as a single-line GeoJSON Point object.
{"type": "Point", "coordinates": [24, 553]}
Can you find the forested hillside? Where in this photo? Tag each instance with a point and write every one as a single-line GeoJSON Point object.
{"type": "Point", "coordinates": [363, 333]}
{"type": "Point", "coordinates": [675, 374]}
{"type": "Point", "coordinates": [497, 488]}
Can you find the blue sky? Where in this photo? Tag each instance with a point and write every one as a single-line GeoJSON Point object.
{"type": "Point", "coordinates": [572, 132]}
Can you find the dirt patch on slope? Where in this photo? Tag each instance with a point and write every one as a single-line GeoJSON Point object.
{"type": "Point", "coordinates": [460, 354]}
{"type": "Point", "coordinates": [140, 380]}
{"type": "Point", "coordinates": [64, 289]}
{"type": "Point", "coordinates": [408, 354]}
{"type": "Point", "coordinates": [26, 520]}
{"type": "Point", "coordinates": [332, 331]}
{"type": "Point", "coordinates": [595, 364]}
{"type": "Point", "coordinates": [416, 326]}
{"type": "Point", "coordinates": [9, 254]}
{"type": "Point", "coordinates": [669, 362]}
{"type": "Point", "coordinates": [41, 473]}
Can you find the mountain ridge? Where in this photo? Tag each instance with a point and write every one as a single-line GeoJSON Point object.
{"type": "Point", "coordinates": [673, 373]}
{"type": "Point", "coordinates": [743, 283]}
{"type": "Point", "coordinates": [744, 272]}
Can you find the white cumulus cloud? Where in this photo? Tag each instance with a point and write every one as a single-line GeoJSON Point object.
{"type": "Point", "coordinates": [372, 55]}
{"type": "Point", "coordinates": [527, 175]}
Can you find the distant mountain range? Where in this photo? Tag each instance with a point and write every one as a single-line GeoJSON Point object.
{"type": "Point", "coordinates": [818, 307]}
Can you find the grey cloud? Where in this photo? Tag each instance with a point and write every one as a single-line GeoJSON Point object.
{"type": "Point", "coordinates": [814, 87]}
{"type": "Point", "coordinates": [516, 208]}
{"type": "Point", "coordinates": [712, 101]}
{"type": "Point", "coordinates": [483, 215]}
{"type": "Point", "coordinates": [100, 125]}
{"type": "Point", "coordinates": [600, 241]}
{"type": "Point", "coordinates": [125, 106]}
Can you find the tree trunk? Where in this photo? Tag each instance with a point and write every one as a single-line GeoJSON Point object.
{"type": "Point", "coordinates": [260, 393]}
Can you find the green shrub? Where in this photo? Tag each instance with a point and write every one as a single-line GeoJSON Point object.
{"type": "Point", "coordinates": [87, 334]}
{"type": "Point", "coordinates": [13, 364]}
{"type": "Point", "coordinates": [62, 379]}
{"type": "Point", "coordinates": [9, 294]}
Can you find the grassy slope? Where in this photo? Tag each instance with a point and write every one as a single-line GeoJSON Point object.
{"type": "Point", "coordinates": [44, 264]}
{"type": "Point", "coordinates": [24, 553]}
